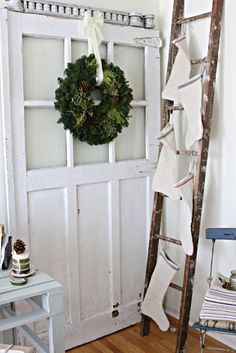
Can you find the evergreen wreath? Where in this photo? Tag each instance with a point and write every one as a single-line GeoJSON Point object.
{"type": "Point", "coordinates": [95, 124]}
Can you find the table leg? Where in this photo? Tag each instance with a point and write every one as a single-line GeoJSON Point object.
{"type": "Point", "coordinates": [53, 303]}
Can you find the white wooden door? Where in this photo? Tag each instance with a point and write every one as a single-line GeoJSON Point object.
{"type": "Point", "coordinates": [84, 211]}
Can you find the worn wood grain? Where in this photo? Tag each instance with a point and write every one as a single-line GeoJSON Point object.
{"type": "Point", "coordinates": [199, 183]}
{"type": "Point", "coordinates": [194, 18]}
{"type": "Point", "coordinates": [152, 252]}
{"type": "Point", "coordinates": [178, 12]}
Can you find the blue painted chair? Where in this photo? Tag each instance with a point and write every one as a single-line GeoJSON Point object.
{"type": "Point", "coordinates": [215, 234]}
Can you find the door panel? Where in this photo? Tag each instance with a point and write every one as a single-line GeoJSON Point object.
{"type": "Point", "coordinates": [45, 139]}
{"type": "Point", "coordinates": [131, 143]}
{"type": "Point", "coordinates": [89, 204]}
{"type": "Point", "coordinates": [131, 61]}
{"type": "Point", "coordinates": [93, 243]}
{"type": "Point", "coordinates": [87, 154]}
{"type": "Point", "coordinates": [79, 48]}
{"type": "Point", "coordinates": [47, 232]}
{"type": "Point", "coordinates": [133, 240]}
{"type": "Point", "coordinates": [43, 64]}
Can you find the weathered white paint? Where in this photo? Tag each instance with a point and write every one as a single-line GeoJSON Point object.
{"type": "Point", "coordinates": [6, 169]}
{"type": "Point", "coordinates": [85, 224]}
{"type": "Point", "coordinates": [120, 5]}
{"type": "Point", "coordinates": [221, 192]}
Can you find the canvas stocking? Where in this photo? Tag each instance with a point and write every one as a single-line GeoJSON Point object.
{"type": "Point", "coordinates": [162, 276]}
{"type": "Point", "coordinates": [191, 98]}
{"type": "Point", "coordinates": [164, 177]}
{"type": "Point", "coordinates": [180, 71]}
{"type": "Point", "coordinates": [185, 188]}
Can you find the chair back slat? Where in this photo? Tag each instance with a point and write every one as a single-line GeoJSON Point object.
{"type": "Point", "coordinates": [221, 233]}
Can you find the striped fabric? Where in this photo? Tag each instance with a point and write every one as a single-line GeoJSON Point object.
{"type": "Point", "coordinates": [226, 325]}
{"type": "Point", "coordinates": [219, 303]}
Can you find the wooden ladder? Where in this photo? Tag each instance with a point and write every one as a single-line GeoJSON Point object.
{"type": "Point", "coordinates": [207, 109]}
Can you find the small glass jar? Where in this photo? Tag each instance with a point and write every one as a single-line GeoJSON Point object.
{"type": "Point", "coordinates": [136, 19]}
{"type": "Point", "coordinates": [15, 5]}
{"type": "Point", "coordinates": [232, 279]}
{"type": "Point", "coordinates": [149, 21]}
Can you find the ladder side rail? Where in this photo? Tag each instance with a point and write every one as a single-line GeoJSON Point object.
{"type": "Point", "coordinates": [178, 10]}
{"type": "Point", "coordinates": [190, 264]}
{"type": "Point", "coordinates": [152, 253]}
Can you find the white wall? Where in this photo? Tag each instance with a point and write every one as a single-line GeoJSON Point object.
{"type": "Point", "coordinates": [3, 216]}
{"type": "Point", "coordinates": [219, 209]}
{"type": "Point", "coordinates": [220, 192]}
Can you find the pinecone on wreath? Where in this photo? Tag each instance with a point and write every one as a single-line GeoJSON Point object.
{"type": "Point", "coordinates": [96, 120]}
{"type": "Point", "coordinates": [85, 84]}
{"type": "Point", "coordinates": [114, 99]}
{"type": "Point", "coordinates": [19, 246]}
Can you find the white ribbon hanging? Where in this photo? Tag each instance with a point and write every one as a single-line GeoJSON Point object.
{"type": "Point", "coordinates": [92, 30]}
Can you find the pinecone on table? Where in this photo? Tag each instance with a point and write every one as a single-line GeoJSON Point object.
{"type": "Point", "coordinates": [85, 84]}
{"type": "Point", "coordinates": [114, 99]}
{"type": "Point", "coordinates": [19, 246]}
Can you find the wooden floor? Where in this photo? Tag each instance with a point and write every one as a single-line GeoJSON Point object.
{"type": "Point", "coordinates": [130, 341]}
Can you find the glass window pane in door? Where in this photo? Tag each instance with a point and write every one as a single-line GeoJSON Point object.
{"type": "Point", "coordinates": [131, 61]}
{"type": "Point", "coordinates": [80, 48]}
{"type": "Point", "coordinates": [85, 153]}
{"type": "Point", "coordinates": [130, 143]}
{"type": "Point", "coordinates": [43, 61]}
{"type": "Point", "coordinates": [45, 139]}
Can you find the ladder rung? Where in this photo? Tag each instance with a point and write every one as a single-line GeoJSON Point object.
{"type": "Point", "coordinates": [193, 18]}
{"type": "Point", "coordinates": [175, 107]}
{"type": "Point", "coordinates": [176, 286]}
{"type": "Point", "coordinates": [170, 240]}
{"type": "Point", "coordinates": [187, 153]}
{"type": "Point", "coordinates": [167, 197]}
{"type": "Point", "coordinates": [200, 61]}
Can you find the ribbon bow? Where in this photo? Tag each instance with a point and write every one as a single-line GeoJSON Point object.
{"type": "Point", "coordinates": [92, 30]}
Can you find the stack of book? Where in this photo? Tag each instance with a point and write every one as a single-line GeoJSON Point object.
{"type": "Point", "coordinates": [219, 306]}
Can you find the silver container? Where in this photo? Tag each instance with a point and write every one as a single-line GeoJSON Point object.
{"type": "Point", "coordinates": [149, 21]}
{"type": "Point", "coordinates": [46, 7]}
{"type": "Point", "coordinates": [75, 11]}
{"type": "Point", "coordinates": [232, 279]}
{"type": "Point", "coordinates": [61, 10]}
{"type": "Point", "coordinates": [53, 8]}
{"type": "Point", "coordinates": [31, 5]}
{"type": "Point", "coordinates": [68, 10]}
{"type": "Point", "coordinates": [15, 5]}
{"type": "Point", "coordinates": [136, 19]}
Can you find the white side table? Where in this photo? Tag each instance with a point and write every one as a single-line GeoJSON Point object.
{"type": "Point", "coordinates": [45, 295]}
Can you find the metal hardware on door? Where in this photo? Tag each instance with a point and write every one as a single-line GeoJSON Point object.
{"type": "Point", "coordinates": [146, 169]}
{"type": "Point", "coordinates": [153, 42]}
{"type": "Point", "coordinates": [78, 211]}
